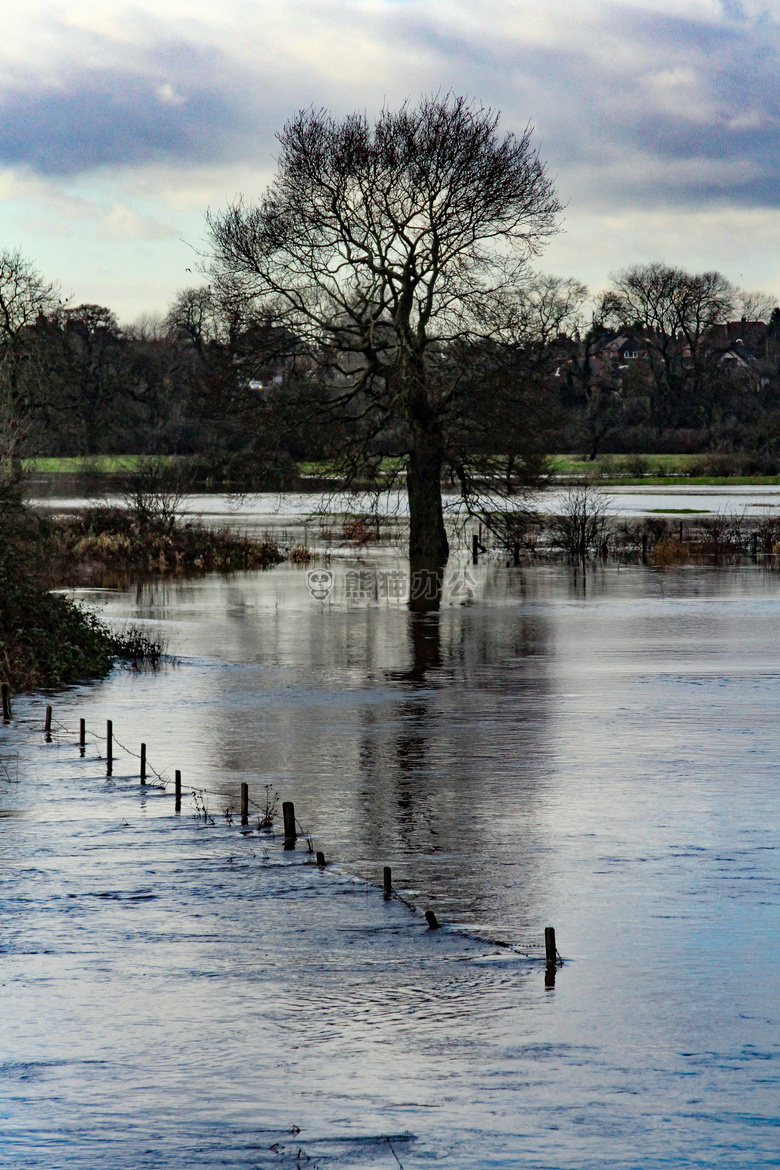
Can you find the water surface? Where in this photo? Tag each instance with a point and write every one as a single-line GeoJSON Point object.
{"type": "Point", "coordinates": [601, 754]}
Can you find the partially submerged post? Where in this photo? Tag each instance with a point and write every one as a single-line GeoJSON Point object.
{"type": "Point", "coordinates": [244, 804]}
{"type": "Point", "coordinates": [177, 791]}
{"type": "Point", "coordinates": [516, 553]}
{"type": "Point", "coordinates": [143, 763]}
{"type": "Point", "coordinates": [475, 550]}
{"type": "Point", "coordinates": [550, 949]}
{"type": "Point", "coordinates": [288, 816]}
{"type": "Point", "coordinates": [387, 881]}
{"type": "Point", "coordinates": [320, 859]}
{"type": "Point", "coordinates": [432, 920]}
{"type": "Point", "coordinates": [47, 724]}
{"type": "Point", "coordinates": [6, 703]}
{"type": "Point", "coordinates": [109, 747]}
{"type": "Point", "coordinates": [82, 734]}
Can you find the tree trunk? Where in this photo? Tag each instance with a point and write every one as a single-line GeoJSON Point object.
{"type": "Point", "coordinates": [428, 545]}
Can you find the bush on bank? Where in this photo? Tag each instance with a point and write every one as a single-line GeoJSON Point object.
{"type": "Point", "coordinates": [117, 540]}
{"type": "Point", "coordinates": [47, 640]}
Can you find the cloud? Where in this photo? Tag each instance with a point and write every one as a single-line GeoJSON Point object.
{"type": "Point", "coordinates": [123, 223]}
{"type": "Point", "coordinates": [128, 118]}
{"type": "Point", "coordinates": [122, 117]}
{"type": "Point", "coordinates": [673, 100]}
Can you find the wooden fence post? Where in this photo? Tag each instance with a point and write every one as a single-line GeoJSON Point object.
{"type": "Point", "coordinates": [47, 724]}
{"type": "Point", "coordinates": [143, 763]}
{"type": "Point", "coordinates": [550, 949]}
{"type": "Point", "coordinates": [288, 816]}
{"type": "Point", "coordinates": [244, 804]}
{"type": "Point", "coordinates": [6, 703]}
{"type": "Point", "coordinates": [475, 550]}
{"type": "Point", "coordinates": [177, 791]}
{"type": "Point", "coordinates": [109, 747]}
{"type": "Point", "coordinates": [387, 881]}
{"type": "Point", "coordinates": [82, 734]}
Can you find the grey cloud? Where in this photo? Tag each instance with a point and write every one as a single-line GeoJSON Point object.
{"type": "Point", "coordinates": [609, 136]}
{"type": "Point", "coordinates": [182, 104]}
{"type": "Point", "coordinates": [616, 127]}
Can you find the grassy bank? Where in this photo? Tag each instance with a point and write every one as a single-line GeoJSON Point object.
{"type": "Point", "coordinates": [117, 540]}
{"type": "Point", "coordinates": [708, 470]}
{"type": "Point", "coordinates": [48, 641]}
{"type": "Point", "coordinates": [110, 472]}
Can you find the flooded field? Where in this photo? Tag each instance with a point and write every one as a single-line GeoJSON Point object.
{"type": "Point", "coordinates": [601, 754]}
{"type": "Point", "coordinates": [295, 513]}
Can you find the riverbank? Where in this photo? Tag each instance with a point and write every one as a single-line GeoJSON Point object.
{"type": "Point", "coordinates": [107, 475]}
{"type": "Point", "coordinates": [47, 640]}
{"type": "Point", "coordinates": [105, 539]}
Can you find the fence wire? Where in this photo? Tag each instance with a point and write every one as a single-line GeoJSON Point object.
{"type": "Point", "coordinates": [59, 731]}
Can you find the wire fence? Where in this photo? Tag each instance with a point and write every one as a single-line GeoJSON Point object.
{"type": "Point", "coordinates": [57, 731]}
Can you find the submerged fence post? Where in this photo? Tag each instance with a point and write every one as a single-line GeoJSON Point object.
{"type": "Point", "coordinates": [177, 791]}
{"type": "Point", "coordinates": [82, 733]}
{"type": "Point", "coordinates": [47, 724]}
{"type": "Point", "coordinates": [244, 804]}
{"type": "Point", "coordinates": [475, 550]}
{"type": "Point", "coordinates": [387, 881]}
{"type": "Point", "coordinates": [432, 920]}
{"type": "Point", "coordinates": [109, 747]}
{"type": "Point", "coordinates": [143, 763]}
{"type": "Point", "coordinates": [288, 816]}
{"type": "Point", "coordinates": [6, 703]}
{"type": "Point", "coordinates": [516, 554]}
{"type": "Point", "coordinates": [550, 949]}
{"type": "Point", "coordinates": [320, 859]}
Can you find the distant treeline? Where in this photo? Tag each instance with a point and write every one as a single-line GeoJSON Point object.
{"type": "Point", "coordinates": [664, 361]}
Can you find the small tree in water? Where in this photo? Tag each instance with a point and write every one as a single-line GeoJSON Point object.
{"type": "Point", "coordinates": [394, 254]}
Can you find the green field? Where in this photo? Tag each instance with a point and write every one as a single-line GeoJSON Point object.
{"type": "Point", "coordinates": [80, 465]}
{"type": "Point", "coordinates": [614, 470]}
{"type": "Point", "coordinates": [648, 470]}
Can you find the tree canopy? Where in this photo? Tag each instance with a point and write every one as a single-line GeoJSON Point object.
{"type": "Point", "coordinates": [397, 254]}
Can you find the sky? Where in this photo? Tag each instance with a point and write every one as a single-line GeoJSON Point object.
{"type": "Point", "coordinates": [121, 123]}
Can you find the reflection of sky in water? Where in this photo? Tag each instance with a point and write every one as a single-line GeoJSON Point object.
{"type": "Point", "coordinates": [598, 754]}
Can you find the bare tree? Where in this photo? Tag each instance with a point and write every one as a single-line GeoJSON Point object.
{"type": "Point", "coordinates": [24, 298]}
{"type": "Point", "coordinates": [675, 312]}
{"type": "Point", "coordinates": [391, 252]}
{"type": "Point", "coordinates": [582, 527]}
{"type": "Point", "coordinates": [755, 306]}
{"type": "Point", "coordinates": [496, 439]}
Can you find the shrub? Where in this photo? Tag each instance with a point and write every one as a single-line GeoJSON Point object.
{"type": "Point", "coordinates": [116, 540]}
{"type": "Point", "coordinates": [583, 525]}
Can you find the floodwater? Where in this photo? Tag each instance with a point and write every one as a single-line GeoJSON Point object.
{"type": "Point", "coordinates": [299, 512]}
{"type": "Point", "coordinates": [601, 754]}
